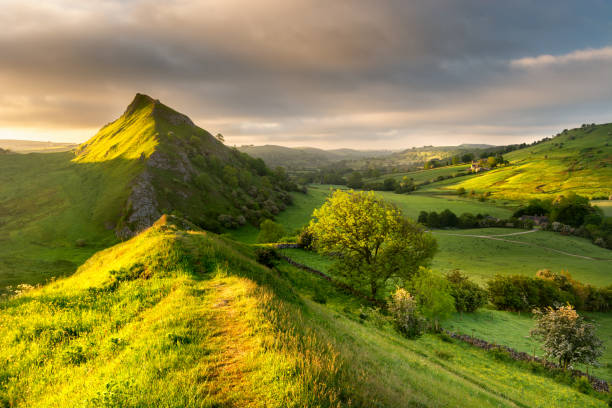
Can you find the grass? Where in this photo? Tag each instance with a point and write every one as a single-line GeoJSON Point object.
{"type": "Point", "coordinates": [192, 321]}
{"type": "Point", "coordinates": [512, 329]}
{"type": "Point", "coordinates": [55, 213]}
{"type": "Point", "coordinates": [421, 176]}
{"type": "Point", "coordinates": [579, 160]}
{"type": "Point", "coordinates": [606, 206]}
{"type": "Point", "coordinates": [483, 258]}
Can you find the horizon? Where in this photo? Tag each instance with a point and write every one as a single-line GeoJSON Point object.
{"type": "Point", "coordinates": [384, 76]}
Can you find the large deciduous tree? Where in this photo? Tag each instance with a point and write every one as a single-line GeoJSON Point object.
{"type": "Point", "coordinates": [372, 239]}
{"type": "Point", "coordinates": [566, 337]}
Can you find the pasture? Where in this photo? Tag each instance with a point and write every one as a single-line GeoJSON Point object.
{"type": "Point", "coordinates": [512, 329]}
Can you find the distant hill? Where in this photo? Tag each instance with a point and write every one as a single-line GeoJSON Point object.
{"type": "Point", "coordinates": [29, 146]}
{"type": "Point", "coordinates": [307, 157]}
{"type": "Point", "coordinates": [578, 160]}
{"type": "Point", "coordinates": [56, 209]}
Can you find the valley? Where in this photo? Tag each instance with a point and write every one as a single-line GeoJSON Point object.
{"type": "Point", "coordinates": [132, 275]}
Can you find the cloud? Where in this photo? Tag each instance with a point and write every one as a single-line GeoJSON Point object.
{"type": "Point", "coordinates": [341, 73]}
{"type": "Point", "coordinates": [588, 55]}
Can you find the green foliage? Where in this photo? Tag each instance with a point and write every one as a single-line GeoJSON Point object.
{"type": "Point", "coordinates": [566, 337]}
{"type": "Point", "coordinates": [270, 231]}
{"type": "Point", "coordinates": [266, 256]}
{"type": "Point", "coordinates": [405, 314]}
{"type": "Point", "coordinates": [434, 296]}
{"type": "Point", "coordinates": [468, 296]}
{"type": "Point", "coordinates": [374, 240]}
{"type": "Point", "coordinates": [583, 385]}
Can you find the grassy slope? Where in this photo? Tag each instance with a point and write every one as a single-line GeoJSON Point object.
{"type": "Point", "coordinates": [512, 329]}
{"type": "Point", "coordinates": [205, 326]}
{"type": "Point", "coordinates": [579, 160]}
{"type": "Point", "coordinates": [423, 175]}
{"type": "Point", "coordinates": [47, 203]}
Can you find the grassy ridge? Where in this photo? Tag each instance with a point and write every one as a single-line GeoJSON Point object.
{"type": "Point", "coordinates": [190, 320]}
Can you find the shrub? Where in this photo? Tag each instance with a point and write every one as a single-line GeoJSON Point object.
{"type": "Point", "coordinates": [583, 385]}
{"type": "Point", "coordinates": [374, 315]}
{"type": "Point", "coordinates": [305, 239]}
{"type": "Point", "coordinates": [319, 297]}
{"type": "Point", "coordinates": [406, 318]}
{"type": "Point", "coordinates": [467, 294]}
{"type": "Point", "coordinates": [270, 231]}
{"type": "Point", "coordinates": [266, 256]}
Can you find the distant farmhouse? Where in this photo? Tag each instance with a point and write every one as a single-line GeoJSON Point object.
{"type": "Point", "coordinates": [477, 167]}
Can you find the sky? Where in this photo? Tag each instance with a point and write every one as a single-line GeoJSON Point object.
{"type": "Point", "coordinates": [384, 74]}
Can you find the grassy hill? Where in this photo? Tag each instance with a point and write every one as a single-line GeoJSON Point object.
{"type": "Point", "coordinates": [179, 317]}
{"type": "Point", "coordinates": [299, 158]}
{"type": "Point", "coordinates": [57, 209]}
{"type": "Point", "coordinates": [578, 160]}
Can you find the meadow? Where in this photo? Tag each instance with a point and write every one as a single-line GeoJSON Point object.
{"type": "Point", "coordinates": [54, 212]}
{"type": "Point", "coordinates": [579, 160]}
{"type": "Point", "coordinates": [512, 329]}
{"type": "Point", "coordinates": [421, 176]}
{"type": "Point", "coordinates": [181, 318]}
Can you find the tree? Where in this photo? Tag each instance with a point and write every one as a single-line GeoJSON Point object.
{"type": "Point", "coordinates": [491, 162]}
{"type": "Point", "coordinates": [270, 231]}
{"type": "Point", "coordinates": [371, 238]}
{"type": "Point", "coordinates": [220, 138]}
{"type": "Point", "coordinates": [467, 294]}
{"type": "Point", "coordinates": [433, 294]}
{"type": "Point", "coordinates": [389, 184]}
{"type": "Point", "coordinates": [355, 180]}
{"type": "Point", "coordinates": [566, 337]}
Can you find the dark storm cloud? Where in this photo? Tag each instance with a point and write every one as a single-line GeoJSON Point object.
{"type": "Point", "coordinates": [306, 72]}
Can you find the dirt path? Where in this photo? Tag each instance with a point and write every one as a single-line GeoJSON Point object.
{"type": "Point", "coordinates": [497, 238]}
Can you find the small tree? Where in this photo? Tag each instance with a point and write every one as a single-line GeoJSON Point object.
{"type": "Point", "coordinates": [406, 318]}
{"type": "Point", "coordinates": [270, 231]}
{"type": "Point", "coordinates": [220, 138]}
{"type": "Point", "coordinates": [371, 238]}
{"type": "Point", "coordinates": [566, 337]}
{"type": "Point", "coordinates": [467, 294]}
{"type": "Point", "coordinates": [433, 294]}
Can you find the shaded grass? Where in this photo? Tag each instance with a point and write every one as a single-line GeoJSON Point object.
{"type": "Point", "coordinates": [512, 329]}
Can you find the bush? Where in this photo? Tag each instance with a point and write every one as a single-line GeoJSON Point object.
{"type": "Point", "coordinates": [266, 256]}
{"type": "Point", "coordinates": [305, 239]}
{"type": "Point", "coordinates": [406, 318]}
{"type": "Point", "coordinates": [270, 231]}
{"type": "Point", "coordinates": [583, 385]}
{"type": "Point", "coordinates": [468, 295]}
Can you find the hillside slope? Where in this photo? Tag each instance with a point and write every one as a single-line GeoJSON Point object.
{"type": "Point", "coordinates": [185, 318]}
{"type": "Point", "coordinates": [182, 168]}
{"type": "Point", "coordinates": [578, 160]}
{"type": "Point", "coordinates": [57, 209]}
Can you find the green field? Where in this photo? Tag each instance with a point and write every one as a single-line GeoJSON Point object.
{"type": "Point", "coordinates": [48, 204]}
{"type": "Point", "coordinates": [606, 206]}
{"type": "Point", "coordinates": [299, 214]}
{"type": "Point", "coordinates": [479, 257]}
{"type": "Point", "coordinates": [579, 160]}
{"type": "Point", "coordinates": [483, 258]}
{"type": "Point", "coordinates": [190, 320]}
{"type": "Point", "coordinates": [512, 329]}
{"type": "Point", "coordinates": [423, 175]}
